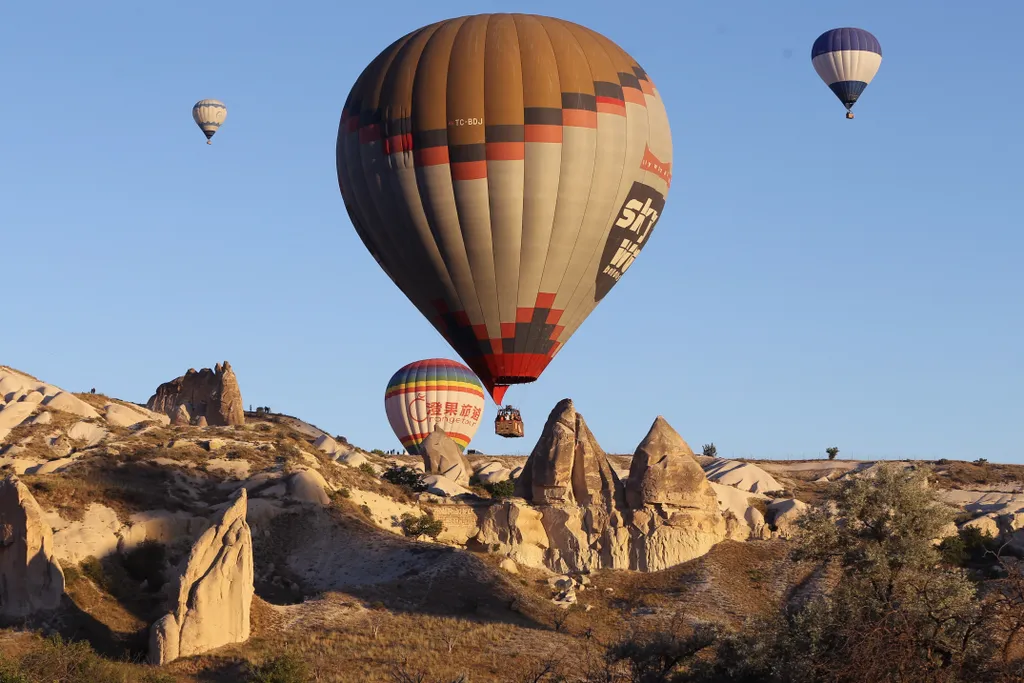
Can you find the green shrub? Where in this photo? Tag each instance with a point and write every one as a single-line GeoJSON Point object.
{"type": "Point", "coordinates": [709, 450]}
{"type": "Point", "coordinates": [406, 477]}
{"type": "Point", "coordinates": [832, 452]}
{"type": "Point", "coordinates": [283, 669]}
{"type": "Point", "coordinates": [424, 525]}
{"type": "Point", "coordinates": [377, 451]}
{"type": "Point", "coordinates": [501, 489]}
{"type": "Point", "coordinates": [367, 468]}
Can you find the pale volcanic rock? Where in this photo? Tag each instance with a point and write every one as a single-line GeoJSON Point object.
{"type": "Point", "coordinates": [69, 403]}
{"type": "Point", "coordinates": [95, 535]}
{"type": "Point", "coordinates": [12, 415]}
{"type": "Point", "coordinates": [31, 579]}
{"type": "Point", "coordinates": [122, 416]}
{"type": "Point", "coordinates": [742, 475]}
{"type": "Point", "coordinates": [441, 455]}
{"type": "Point", "coordinates": [308, 486]}
{"type": "Point", "coordinates": [213, 394]}
{"type": "Point", "coordinates": [567, 465]}
{"type": "Point", "coordinates": [579, 520]}
{"type": "Point", "coordinates": [215, 590]}
{"type": "Point", "coordinates": [664, 471]}
{"type": "Point", "coordinates": [784, 514]}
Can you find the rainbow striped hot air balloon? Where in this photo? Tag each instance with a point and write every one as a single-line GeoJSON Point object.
{"type": "Point", "coordinates": [846, 59]}
{"type": "Point", "coordinates": [430, 392]}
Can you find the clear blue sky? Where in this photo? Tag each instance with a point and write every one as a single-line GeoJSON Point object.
{"type": "Point", "coordinates": [813, 282]}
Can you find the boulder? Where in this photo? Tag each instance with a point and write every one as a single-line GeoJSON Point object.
{"type": "Point", "coordinates": [495, 476]}
{"type": "Point", "coordinates": [353, 459]}
{"type": "Point", "coordinates": [31, 579]}
{"type": "Point", "coordinates": [783, 514]}
{"type": "Point", "coordinates": [986, 524]}
{"type": "Point", "coordinates": [440, 485]}
{"type": "Point", "coordinates": [214, 591]}
{"type": "Point", "coordinates": [509, 565]}
{"type": "Point", "coordinates": [308, 486]}
{"type": "Point", "coordinates": [441, 455]}
{"type": "Point", "coordinates": [664, 472]}
{"type": "Point", "coordinates": [213, 394]}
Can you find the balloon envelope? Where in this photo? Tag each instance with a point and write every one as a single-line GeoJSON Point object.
{"type": "Point", "coordinates": [431, 392]}
{"type": "Point", "coordinates": [209, 115]}
{"type": "Point", "coordinates": [846, 59]}
{"type": "Point", "coordinates": [504, 170]}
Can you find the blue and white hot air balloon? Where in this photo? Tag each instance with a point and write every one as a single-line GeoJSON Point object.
{"type": "Point", "coordinates": [209, 115]}
{"type": "Point", "coordinates": [846, 59]}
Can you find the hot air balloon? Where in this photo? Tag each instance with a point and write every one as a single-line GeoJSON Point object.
{"type": "Point", "coordinates": [504, 170]}
{"type": "Point", "coordinates": [431, 392]}
{"type": "Point", "coordinates": [209, 115]}
{"type": "Point", "coordinates": [846, 59]}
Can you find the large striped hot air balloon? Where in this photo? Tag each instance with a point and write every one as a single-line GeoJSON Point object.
{"type": "Point", "coordinates": [430, 392]}
{"type": "Point", "coordinates": [846, 59]}
{"type": "Point", "coordinates": [504, 170]}
{"type": "Point", "coordinates": [209, 115]}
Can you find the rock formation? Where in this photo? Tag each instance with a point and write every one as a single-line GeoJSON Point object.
{"type": "Point", "coordinates": [442, 456]}
{"type": "Point", "coordinates": [213, 394]}
{"type": "Point", "coordinates": [664, 472]}
{"type": "Point", "coordinates": [214, 591]}
{"type": "Point", "coordinates": [579, 519]}
{"type": "Point", "coordinates": [31, 579]}
{"type": "Point", "coordinates": [567, 465]}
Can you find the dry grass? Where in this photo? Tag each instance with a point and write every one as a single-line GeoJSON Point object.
{"type": "Point", "coordinates": [36, 435]}
{"type": "Point", "coordinates": [125, 486]}
{"type": "Point", "coordinates": [957, 474]}
{"type": "Point", "coordinates": [97, 401]}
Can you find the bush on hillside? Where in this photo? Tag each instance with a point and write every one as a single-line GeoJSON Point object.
{"type": "Point", "coordinates": [501, 489]}
{"type": "Point", "coordinates": [897, 613]}
{"type": "Point", "coordinates": [424, 525]}
{"type": "Point", "coordinates": [709, 450]}
{"type": "Point", "coordinates": [406, 477]}
{"type": "Point", "coordinates": [284, 669]}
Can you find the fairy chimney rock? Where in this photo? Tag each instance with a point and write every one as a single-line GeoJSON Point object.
{"type": "Point", "coordinates": [664, 471]}
{"type": "Point", "coordinates": [210, 394]}
{"type": "Point", "coordinates": [567, 466]}
{"type": "Point", "coordinates": [441, 455]}
{"type": "Point", "coordinates": [31, 579]}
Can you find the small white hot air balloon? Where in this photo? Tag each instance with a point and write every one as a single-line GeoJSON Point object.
{"type": "Point", "coordinates": [209, 115]}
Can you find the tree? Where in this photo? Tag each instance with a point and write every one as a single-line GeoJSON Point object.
{"type": "Point", "coordinates": [710, 451]}
{"type": "Point", "coordinates": [890, 609]}
{"type": "Point", "coordinates": [832, 452]}
{"type": "Point", "coordinates": [406, 477]}
{"type": "Point", "coordinates": [897, 613]}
